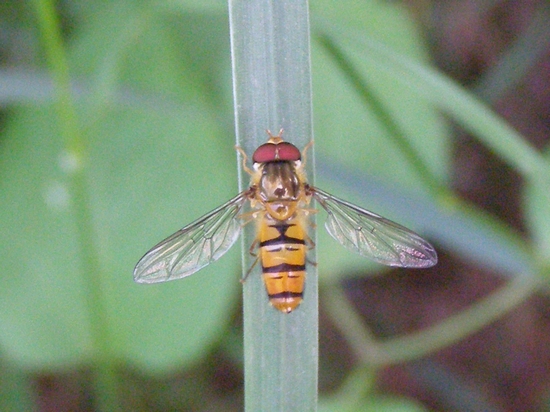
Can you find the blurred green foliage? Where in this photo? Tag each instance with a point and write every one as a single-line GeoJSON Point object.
{"type": "Point", "coordinates": [156, 158]}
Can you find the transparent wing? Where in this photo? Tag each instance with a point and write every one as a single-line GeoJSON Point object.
{"type": "Point", "coordinates": [373, 236]}
{"type": "Point", "coordinates": [192, 247]}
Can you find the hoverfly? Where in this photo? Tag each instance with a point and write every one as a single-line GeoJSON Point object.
{"type": "Point", "coordinates": [279, 196]}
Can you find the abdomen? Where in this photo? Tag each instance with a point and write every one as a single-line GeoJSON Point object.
{"type": "Point", "coordinates": [283, 259]}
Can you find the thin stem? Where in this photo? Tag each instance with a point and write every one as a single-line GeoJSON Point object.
{"type": "Point", "coordinates": [376, 105]}
{"type": "Point", "coordinates": [272, 90]}
{"type": "Point", "coordinates": [385, 352]}
{"type": "Point", "coordinates": [463, 107]}
{"type": "Point", "coordinates": [74, 162]}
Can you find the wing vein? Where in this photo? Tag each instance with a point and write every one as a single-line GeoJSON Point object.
{"type": "Point", "coordinates": [373, 236]}
{"type": "Point", "coordinates": [194, 246]}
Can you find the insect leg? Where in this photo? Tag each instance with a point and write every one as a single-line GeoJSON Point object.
{"type": "Point", "coordinates": [248, 217]}
{"type": "Point", "coordinates": [310, 244]}
{"type": "Point", "coordinates": [242, 280]}
{"type": "Point", "coordinates": [252, 247]}
{"type": "Point", "coordinates": [309, 212]}
{"type": "Point", "coordinates": [304, 153]}
{"type": "Point", "coordinates": [245, 159]}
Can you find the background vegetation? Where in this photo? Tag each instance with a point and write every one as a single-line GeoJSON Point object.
{"type": "Point", "coordinates": [149, 148]}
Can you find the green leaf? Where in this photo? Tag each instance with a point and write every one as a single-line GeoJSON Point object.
{"type": "Point", "coordinates": [350, 132]}
{"type": "Point", "coordinates": [455, 223]}
{"type": "Point", "coordinates": [272, 89]}
{"type": "Point", "coordinates": [148, 175]}
{"type": "Point", "coordinates": [156, 160]}
{"type": "Point", "coordinates": [15, 389]}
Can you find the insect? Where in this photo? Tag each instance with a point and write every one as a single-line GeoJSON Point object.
{"type": "Point", "coordinates": [279, 198]}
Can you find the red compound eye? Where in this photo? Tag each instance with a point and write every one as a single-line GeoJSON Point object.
{"type": "Point", "coordinates": [270, 152]}
{"type": "Point", "coordinates": [264, 153]}
{"type": "Point", "coordinates": [287, 151]}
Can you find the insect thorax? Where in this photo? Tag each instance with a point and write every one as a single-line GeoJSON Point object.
{"type": "Point", "coordinates": [280, 189]}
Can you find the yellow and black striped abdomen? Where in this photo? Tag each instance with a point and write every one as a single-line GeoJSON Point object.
{"type": "Point", "coordinates": [283, 258]}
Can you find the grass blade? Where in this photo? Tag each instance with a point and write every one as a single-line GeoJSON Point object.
{"type": "Point", "coordinates": [272, 90]}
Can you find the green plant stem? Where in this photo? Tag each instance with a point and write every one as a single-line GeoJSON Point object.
{"type": "Point", "coordinates": [376, 105]}
{"type": "Point", "coordinates": [474, 116]}
{"type": "Point", "coordinates": [465, 109]}
{"type": "Point", "coordinates": [272, 90]}
{"type": "Point", "coordinates": [496, 135]}
{"type": "Point", "coordinates": [75, 157]}
{"type": "Point", "coordinates": [380, 353]}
